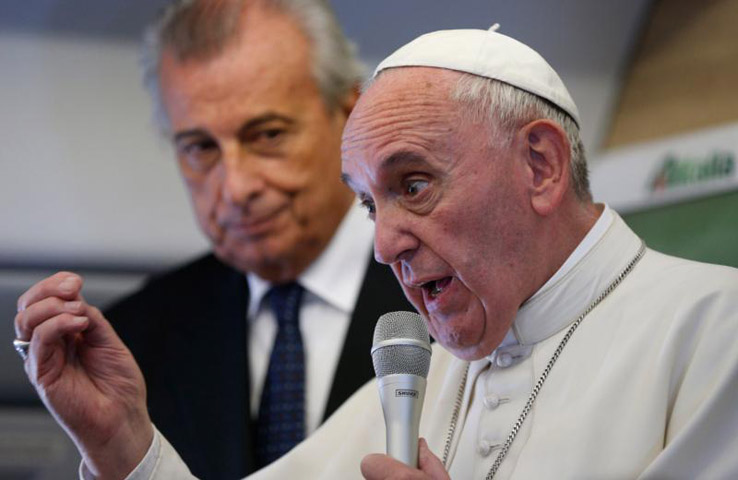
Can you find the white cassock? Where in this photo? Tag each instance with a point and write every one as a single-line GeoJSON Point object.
{"type": "Point", "coordinates": [646, 387]}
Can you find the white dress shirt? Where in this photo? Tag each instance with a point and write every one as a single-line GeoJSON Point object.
{"type": "Point", "coordinates": [332, 285]}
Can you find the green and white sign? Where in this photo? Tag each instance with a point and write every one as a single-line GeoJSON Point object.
{"type": "Point", "coordinates": [679, 194]}
{"type": "Point", "coordinates": [667, 171]}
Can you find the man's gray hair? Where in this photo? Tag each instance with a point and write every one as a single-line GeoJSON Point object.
{"type": "Point", "coordinates": [200, 29]}
{"type": "Point", "coordinates": [507, 109]}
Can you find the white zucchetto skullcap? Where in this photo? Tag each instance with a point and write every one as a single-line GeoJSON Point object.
{"type": "Point", "coordinates": [488, 54]}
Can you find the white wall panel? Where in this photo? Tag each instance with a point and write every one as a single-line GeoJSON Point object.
{"type": "Point", "coordinates": [85, 178]}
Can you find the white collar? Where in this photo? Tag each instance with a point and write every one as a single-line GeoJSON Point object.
{"type": "Point", "coordinates": [558, 303]}
{"type": "Point", "coordinates": [590, 239]}
{"type": "Point", "coordinates": [336, 275]}
{"type": "Point", "coordinates": [575, 284]}
{"type": "Point", "coordinates": [593, 236]}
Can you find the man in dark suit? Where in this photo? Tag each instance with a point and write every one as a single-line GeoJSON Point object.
{"type": "Point", "coordinates": [254, 96]}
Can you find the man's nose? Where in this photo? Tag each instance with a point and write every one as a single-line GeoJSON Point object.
{"type": "Point", "coordinates": [393, 237]}
{"type": "Point", "coordinates": [242, 180]}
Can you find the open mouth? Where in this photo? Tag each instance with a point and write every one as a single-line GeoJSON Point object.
{"type": "Point", "coordinates": [436, 287]}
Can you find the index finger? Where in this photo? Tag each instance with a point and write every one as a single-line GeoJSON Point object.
{"type": "Point", "coordinates": [65, 285]}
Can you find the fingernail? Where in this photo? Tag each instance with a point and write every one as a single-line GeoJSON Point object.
{"type": "Point", "coordinates": [20, 307]}
{"type": "Point", "coordinates": [79, 319]}
{"type": "Point", "coordinates": [68, 285]}
{"type": "Point", "coordinates": [73, 306]}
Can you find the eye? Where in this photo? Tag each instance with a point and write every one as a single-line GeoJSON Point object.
{"type": "Point", "coordinates": [414, 186]}
{"type": "Point", "coordinates": [199, 155]}
{"type": "Point", "coordinates": [270, 134]}
{"type": "Point", "coordinates": [197, 148]}
{"type": "Point", "coordinates": [267, 141]}
{"type": "Point", "coordinates": [418, 192]}
{"type": "Point", "coordinates": [368, 204]}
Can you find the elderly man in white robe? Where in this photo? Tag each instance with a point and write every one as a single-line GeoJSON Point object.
{"type": "Point", "coordinates": [566, 348]}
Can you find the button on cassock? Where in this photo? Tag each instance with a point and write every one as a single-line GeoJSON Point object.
{"type": "Point", "coordinates": [504, 360]}
{"type": "Point", "coordinates": [484, 447]}
{"type": "Point", "coordinates": [492, 401]}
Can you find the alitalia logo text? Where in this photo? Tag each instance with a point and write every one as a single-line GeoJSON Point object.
{"type": "Point", "coordinates": [678, 171]}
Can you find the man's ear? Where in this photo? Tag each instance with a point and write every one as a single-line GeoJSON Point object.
{"type": "Point", "coordinates": [349, 99]}
{"type": "Point", "coordinates": [547, 161]}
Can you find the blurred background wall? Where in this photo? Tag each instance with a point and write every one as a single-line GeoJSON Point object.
{"type": "Point", "coordinates": [668, 160]}
{"type": "Point", "coordinates": [87, 184]}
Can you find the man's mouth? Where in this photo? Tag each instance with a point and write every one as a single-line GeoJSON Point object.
{"type": "Point", "coordinates": [436, 287]}
{"type": "Point", "coordinates": [254, 223]}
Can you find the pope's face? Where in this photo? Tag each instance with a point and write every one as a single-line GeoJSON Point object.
{"type": "Point", "coordinates": [257, 147]}
{"type": "Point", "coordinates": [449, 209]}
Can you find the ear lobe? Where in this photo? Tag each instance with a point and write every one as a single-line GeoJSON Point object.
{"type": "Point", "coordinates": [548, 162]}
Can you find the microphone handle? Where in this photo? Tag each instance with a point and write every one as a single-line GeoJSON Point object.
{"type": "Point", "coordinates": [402, 398]}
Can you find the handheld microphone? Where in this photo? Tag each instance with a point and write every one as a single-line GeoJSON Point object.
{"type": "Point", "coordinates": [401, 355]}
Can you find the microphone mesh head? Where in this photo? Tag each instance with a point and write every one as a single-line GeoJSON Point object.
{"type": "Point", "coordinates": [401, 359]}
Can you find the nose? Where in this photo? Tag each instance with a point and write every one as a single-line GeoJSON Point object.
{"type": "Point", "coordinates": [243, 180]}
{"type": "Point", "coordinates": [393, 237]}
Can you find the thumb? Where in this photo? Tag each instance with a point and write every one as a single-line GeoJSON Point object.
{"type": "Point", "coordinates": [99, 332]}
{"type": "Point", "coordinates": [428, 463]}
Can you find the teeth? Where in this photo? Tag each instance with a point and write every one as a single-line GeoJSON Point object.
{"type": "Point", "coordinates": [436, 287]}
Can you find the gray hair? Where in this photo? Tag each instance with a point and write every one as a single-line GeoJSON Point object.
{"type": "Point", "coordinates": [509, 108]}
{"type": "Point", "coordinates": [200, 29]}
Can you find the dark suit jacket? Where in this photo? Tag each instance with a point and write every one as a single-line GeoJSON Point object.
{"type": "Point", "coordinates": [187, 330]}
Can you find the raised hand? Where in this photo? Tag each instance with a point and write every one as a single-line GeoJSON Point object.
{"type": "Point", "coordinates": [85, 375]}
{"type": "Point", "coordinates": [383, 467]}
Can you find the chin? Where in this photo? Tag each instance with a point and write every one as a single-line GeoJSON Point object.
{"type": "Point", "coordinates": [461, 344]}
{"type": "Point", "coordinates": [467, 352]}
{"type": "Point", "coordinates": [467, 342]}
{"type": "Point", "coordinates": [232, 258]}
{"type": "Point", "coordinates": [475, 353]}
{"type": "Point", "coordinates": [245, 257]}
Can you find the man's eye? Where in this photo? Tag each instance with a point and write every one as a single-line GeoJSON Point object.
{"type": "Point", "coordinates": [197, 148]}
{"type": "Point", "coordinates": [266, 141]}
{"type": "Point", "coordinates": [414, 187]}
{"type": "Point", "coordinates": [369, 206]}
{"type": "Point", "coordinates": [270, 134]}
{"type": "Point", "coordinates": [200, 155]}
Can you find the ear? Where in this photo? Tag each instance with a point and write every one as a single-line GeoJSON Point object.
{"type": "Point", "coordinates": [547, 161]}
{"type": "Point", "coordinates": [349, 100]}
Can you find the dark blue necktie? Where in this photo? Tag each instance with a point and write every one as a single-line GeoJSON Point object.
{"type": "Point", "coordinates": [281, 423]}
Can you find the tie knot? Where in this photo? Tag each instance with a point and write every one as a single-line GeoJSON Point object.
{"type": "Point", "coordinates": [285, 302]}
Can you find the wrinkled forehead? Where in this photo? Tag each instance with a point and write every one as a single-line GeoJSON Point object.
{"type": "Point", "coordinates": [408, 107]}
{"type": "Point", "coordinates": [406, 86]}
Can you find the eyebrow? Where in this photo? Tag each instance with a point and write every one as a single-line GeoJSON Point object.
{"type": "Point", "coordinates": [254, 122]}
{"type": "Point", "coordinates": [195, 132]}
{"type": "Point", "coordinates": [400, 158]}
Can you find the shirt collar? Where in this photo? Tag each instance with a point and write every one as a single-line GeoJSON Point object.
{"type": "Point", "coordinates": [598, 259]}
{"type": "Point", "coordinates": [258, 288]}
{"type": "Point", "coordinates": [336, 275]}
{"type": "Point", "coordinates": [593, 236]}
{"type": "Point", "coordinates": [530, 325]}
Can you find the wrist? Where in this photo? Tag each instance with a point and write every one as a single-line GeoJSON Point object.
{"type": "Point", "coordinates": [117, 457]}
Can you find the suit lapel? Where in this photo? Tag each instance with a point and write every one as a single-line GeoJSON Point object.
{"type": "Point", "coordinates": [213, 375]}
